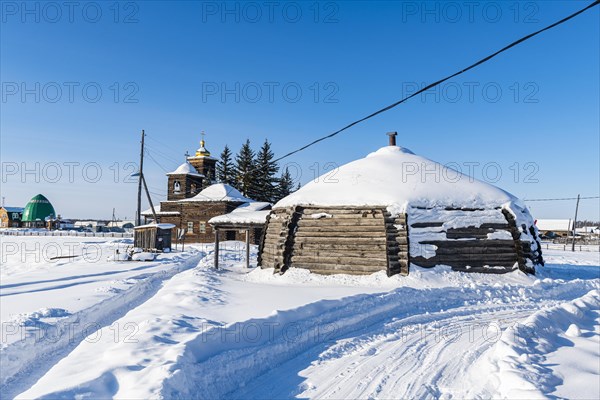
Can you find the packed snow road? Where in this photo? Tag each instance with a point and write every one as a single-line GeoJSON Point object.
{"type": "Point", "coordinates": [231, 333]}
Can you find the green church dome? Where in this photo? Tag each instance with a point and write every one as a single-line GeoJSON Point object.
{"type": "Point", "coordinates": [38, 209]}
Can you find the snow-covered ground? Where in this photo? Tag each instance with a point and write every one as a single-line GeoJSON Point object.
{"type": "Point", "coordinates": [176, 328]}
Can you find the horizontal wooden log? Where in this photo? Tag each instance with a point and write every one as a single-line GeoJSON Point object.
{"type": "Point", "coordinates": [327, 215]}
{"type": "Point", "coordinates": [347, 253]}
{"type": "Point", "coordinates": [475, 257]}
{"type": "Point", "coordinates": [341, 222]}
{"type": "Point", "coordinates": [497, 226]}
{"type": "Point", "coordinates": [341, 240]}
{"type": "Point", "coordinates": [337, 268]}
{"type": "Point", "coordinates": [426, 224]}
{"type": "Point", "coordinates": [355, 261]}
{"type": "Point", "coordinates": [339, 271]}
{"type": "Point", "coordinates": [267, 264]}
{"type": "Point", "coordinates": [483, 270]}
{"type": "Point", "coordinates": [460, 263]}
{"type": "Point", "coordinates": [368, 246]}
{"type": "Point", "coordinates": [341, 209]}
{"type": "Point", "coordinates": [351, 229]}
{"type": "Point", "coordinates": [271, 245]}
{"type": "Point", "coordinates": [381, 254]}
{"type": "Point", "coordinates": [402, 255]}
{"type": "Point", "coordinates": [470, 243]}
{"type": "Point", "coordinates": [272, 252]}
{"type": "Point", "coordinates": [403, 262]}
{"type": "Point", "coordinates": [474, 250]}
{"type": "Point", "coordinates": [301, 233]}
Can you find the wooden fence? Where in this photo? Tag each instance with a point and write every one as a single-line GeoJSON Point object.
{"type": "Point", "coordinates": [68, 234]}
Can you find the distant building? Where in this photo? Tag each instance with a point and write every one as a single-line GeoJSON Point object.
{"type": "Point", "coordinates": [588, 231]}
{"type": "Point", "coordinates": [122, 224]}
{"type": "Point", "coordinates": [91, 225]}
{"type": "Point", "coordinates": [10, 217]}
{"type": "Point", "coordinates": [37, 212]}
{"type": "Point", "coordinates": [561, 227]}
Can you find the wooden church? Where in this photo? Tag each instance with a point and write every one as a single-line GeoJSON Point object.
{"type": "Point", "coordinates": [194, 197]}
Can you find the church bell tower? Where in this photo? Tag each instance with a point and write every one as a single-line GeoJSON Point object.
{"type": "Point", "coordinates": [204, 163]}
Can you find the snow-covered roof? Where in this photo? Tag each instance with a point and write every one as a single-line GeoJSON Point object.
{"type": "Point", "coordinates": [148, 212]}
{"type": "Point", "coordinates": [14, 209]}
{"type": "Point", "coordinates": [242, 217]}
{"type": "Point", "coordinates": [248, 213]}
{"type": "Point", "coordinates": [588, 229]}
{"type": "Point", "coordinates": [545, 225]}
{"type": "Point", "coordinates": [252, 206]}
{"type": "Point", "coordinates": [396, 177]}
{"type": "Point", "coordinates": [220, 192]}
{"type": "Point", "coordinates": [187, 169]}
{"type": "Point", "coordinates": [160, 226]}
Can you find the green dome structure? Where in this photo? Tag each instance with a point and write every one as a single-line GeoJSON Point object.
{"type": "Point", "coordinates": [37, 210]}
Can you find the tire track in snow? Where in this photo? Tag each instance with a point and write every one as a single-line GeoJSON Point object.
{"type": "Point", "coordinates": [218, 364]}
{"type": "Point", "coordinates": [26, 361]}
{"type": "Point", "coordinates": [415, 363]}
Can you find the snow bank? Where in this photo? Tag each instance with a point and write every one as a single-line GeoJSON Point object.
{"type": "Point", "coordinates": [548, 354]}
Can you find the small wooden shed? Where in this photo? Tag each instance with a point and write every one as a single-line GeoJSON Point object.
{"type": "Point", "coordinates": [249, 218]}
{"type": "Point", "coordinates": [153, 237]}
{"type": "Point", "coordinates": [394, 209]}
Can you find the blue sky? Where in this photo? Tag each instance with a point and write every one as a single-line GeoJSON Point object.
{"type": "Point", "coordinates": [292, 73]}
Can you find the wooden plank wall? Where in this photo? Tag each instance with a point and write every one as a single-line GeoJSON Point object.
{"type": "Point", "coordinates": [145, 238]}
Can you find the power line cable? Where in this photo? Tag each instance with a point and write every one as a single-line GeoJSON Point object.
{"type": "Point", "coordinates": [155, 162]}
{"type": "Point", "coordinates": [436, 83]}
{"type": "Point", "coordinates": [432, 85]}
{"type": "Point", "coordinates": [163, 155]}
{"type": "Point", "coordinates": [564, 198]}
{"type": "Point", "coordinates": [162, 144]}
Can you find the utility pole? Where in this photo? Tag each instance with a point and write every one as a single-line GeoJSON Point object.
{"type": "Point", "coordinates": [575, 223]}
{"type": "Point", "coordinates": [139, 195]}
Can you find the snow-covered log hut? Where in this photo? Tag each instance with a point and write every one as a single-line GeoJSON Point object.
{"type": "Point", "coordinates": [393, 209]}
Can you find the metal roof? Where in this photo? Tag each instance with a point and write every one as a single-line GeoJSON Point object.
{"type": "Point", "coordinates": [38, 209]}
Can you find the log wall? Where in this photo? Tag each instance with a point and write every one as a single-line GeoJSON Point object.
{"type": "Point", "coordinates": [355, 240]}
{"type": "Point", "coordinates": [494, 247]}
{"type": "Point", "coordinates": [330, 240]}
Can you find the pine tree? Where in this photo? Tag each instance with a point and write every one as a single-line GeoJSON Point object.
{"type": "Point", "coordinates": [245, 173]}
{"type": "Point", "coordinates": [266, 182]}
{"type": "Point", "coordinates": [286, 185]}
{"type": "Point", "coordinates": [225, 168]}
